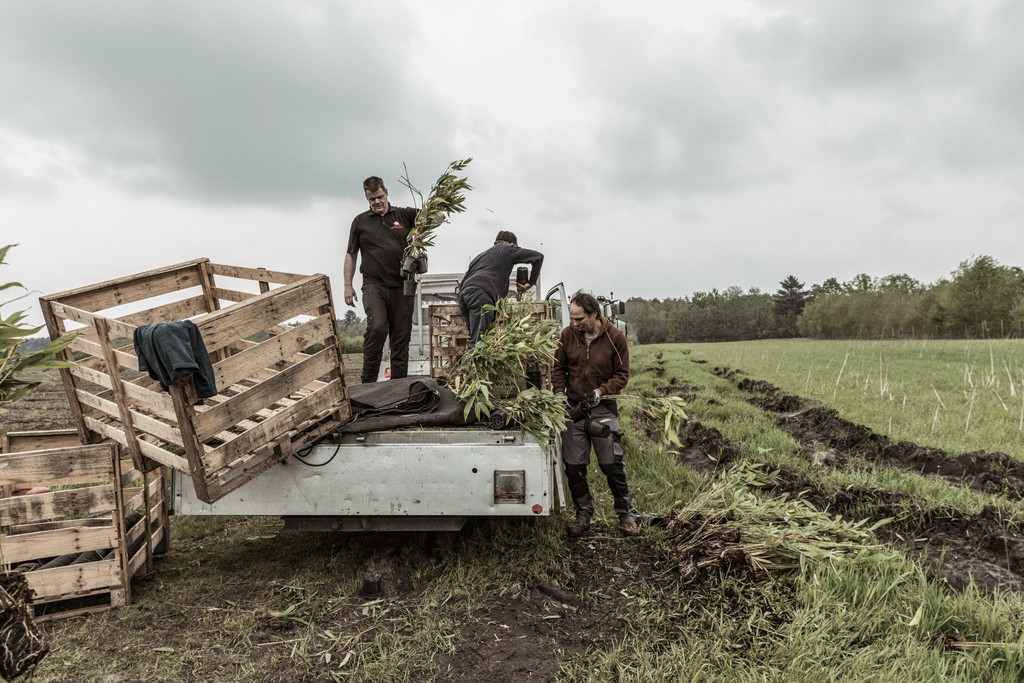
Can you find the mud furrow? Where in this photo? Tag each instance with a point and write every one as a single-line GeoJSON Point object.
{"type": "Point", "coordinates": [953, 546]}
{"type": "Point", "coordinates": [819, 428]}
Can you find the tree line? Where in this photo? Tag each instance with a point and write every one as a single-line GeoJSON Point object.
{"type": "Point", "coordinates": [980, 299]}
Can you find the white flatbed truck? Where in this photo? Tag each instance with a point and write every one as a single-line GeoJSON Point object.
{"type": "Point", "coordinates": [408, 479]}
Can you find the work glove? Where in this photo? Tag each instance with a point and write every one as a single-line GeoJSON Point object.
{"type": "Point", "coordinates": [593, 398]}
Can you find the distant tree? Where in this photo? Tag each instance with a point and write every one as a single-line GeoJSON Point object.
{"type": "Point", "coordinates": [901, 282]}
{"type": "Point", "coordinates": [861, 283]}
{"type": "Point", "coordinates": [789, 302]}
{"type": "Point", "coordinates": [829, 286]}
{"type": "Point", "coordinates": [351, 325]}
{"type": "Point", "coordinates": [351, 329]}
{"type": "Point", "coordinates": [981, 298]}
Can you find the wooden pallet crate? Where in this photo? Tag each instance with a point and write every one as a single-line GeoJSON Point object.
{"type": "Point", "coordinates": [80, 519]}
{"type": "Point", "coordinates": [449, 340]}
{"type": "Point", "coordinates": [271, 339]}
{"type": "Point", "coordinates": [146, 506]}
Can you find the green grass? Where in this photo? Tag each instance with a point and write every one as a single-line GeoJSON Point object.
{"type": "Point", "coordinates": [960, 395]}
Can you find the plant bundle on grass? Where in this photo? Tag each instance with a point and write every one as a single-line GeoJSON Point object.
{"type": "Point", "coordinates": [729, 525]}
{"type": "Point", "coordinates": [447, 196]}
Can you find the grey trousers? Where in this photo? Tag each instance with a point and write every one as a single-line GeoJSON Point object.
{"type": "Point", "coordinates": [576, 447]}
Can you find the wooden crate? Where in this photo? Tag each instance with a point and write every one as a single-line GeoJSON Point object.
{"type": "Point", "coordinates": [449, 339]}
{"type": "Point", "coordinates": [146, 507]}
{"type": "Point", "coordinates": [275, 394]}
{"type": "Point", "coordinates": [82, 517]}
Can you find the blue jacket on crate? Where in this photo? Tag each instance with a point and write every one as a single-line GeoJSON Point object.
{"type": "Point", "coordinates": [168, 349]}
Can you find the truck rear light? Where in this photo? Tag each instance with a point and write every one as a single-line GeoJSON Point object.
{"type": "Point", "coordinates": [538, 509]}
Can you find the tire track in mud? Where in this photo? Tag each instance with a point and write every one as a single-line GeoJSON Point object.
{"type": "Point", "coordinates": [952, 545]}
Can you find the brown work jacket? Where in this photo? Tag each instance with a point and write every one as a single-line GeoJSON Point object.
{"type": "Point", "coordinates": [604, 365]}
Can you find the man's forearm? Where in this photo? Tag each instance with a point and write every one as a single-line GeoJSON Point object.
{"type": "Point", "coordinates": [350, 269]}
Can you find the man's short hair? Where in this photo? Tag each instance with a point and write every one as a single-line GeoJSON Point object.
{"type": "Point", "coordinates": [587, 302]}
{"type": "Point", "coordinates": [373, 183]}
{"type": "Point", "coordinates": [506, 236]}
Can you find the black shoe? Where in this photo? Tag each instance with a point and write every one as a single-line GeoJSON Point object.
{"type": "Point", "coordinates": [578, 527]}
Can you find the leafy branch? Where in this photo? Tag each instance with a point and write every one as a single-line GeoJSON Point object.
{"type": "Point", "coordinates": [13, 332]}
{"type": "Point", "coordinates": [667, 413]}
{"type": "Point", "coordinates": [517, 340]}
{"type": "Point", "coordinates": [447, 196]}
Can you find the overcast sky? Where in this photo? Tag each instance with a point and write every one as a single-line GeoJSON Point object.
{"type": "Point", "coordinates": [650, 150]}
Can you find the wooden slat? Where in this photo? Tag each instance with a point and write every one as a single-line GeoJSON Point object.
{"type": "Point", "coordinates": [258, 274]}
{"type": "Point", "coordinates": [139, 559]}
{"type": "Point", "coordinates": [83, 345]}
{"type": "Point", "coordinates": [131, 288]}
{"type": "Point", "coordinates": [242, 406]}
{"type": "Point", "coordinates": [182, 392]}
{"type": "Point", "coordinates": [176, 310]}
{"type": "Point", "coordinates": [282, 347]}
{"type": "Point", "coordinates": [16, 442]}
{"type": "Point", "coordinates": [67, 503]}
{"type": "Point", "coordinates": [257, 464]}
{"type": "Point", "coordinates": [111, 595]}
{"type": "Point", "coordinates": [232, 294]}
{"type": "Point", "coordinates": [156, 401]}
{"type": "Point", "coordinates": [75, 579]}
{"type": "Point", "coordinates": [33, 527]}
{"type": "Point", "coordinates": [22, 547]}
{"type": "Point", "coordinates": [260, 312]}
{"type": "Point", "coordinates": [142, 421]}
{"type": "Point", "coordinates": [133, 498]}
{"type": "Point", "coordinates": [53, 466]}
{"type": "Point", "coordinates": [55, 326]}
{"type": "Point", "coordinates": [150, 450]}
{"type": "Point", "coordinates": [68, 312]}
{"type": "Point", "coordinates": [316, 404]}
{"type": "Point", "coordinates": [113, 363]}
{"type": "Point", "coordinates": [126, 359]}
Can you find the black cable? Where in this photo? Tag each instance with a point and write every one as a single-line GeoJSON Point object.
{"type": "Point", "coordinates": [299, 455]}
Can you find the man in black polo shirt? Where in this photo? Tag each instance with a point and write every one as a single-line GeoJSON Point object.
{"type": "Point", "coordinates": [486, 281]}
{"type": "Point", "coordinates": [379, 236]}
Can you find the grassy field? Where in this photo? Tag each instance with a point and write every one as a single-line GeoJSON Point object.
{"type": "Point", "coordinates": [756, 564]}
{"type": "Point", "coordinates": [956, 395]}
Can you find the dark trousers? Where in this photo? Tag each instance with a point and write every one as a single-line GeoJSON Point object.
{"type": "Point", "coordinates": [388, 314]}
{"type": "Point", "coordinates": [472, 301]}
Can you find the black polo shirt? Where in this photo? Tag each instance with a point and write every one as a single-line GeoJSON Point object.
{"type": "Point", "coordinates": [381, 240]}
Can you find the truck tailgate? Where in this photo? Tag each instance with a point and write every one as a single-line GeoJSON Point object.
{"type": "Point", "coordinates": [418, 472]}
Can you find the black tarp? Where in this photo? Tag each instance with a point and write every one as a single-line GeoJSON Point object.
{"type": "Point", "coordinates": [408, 402]}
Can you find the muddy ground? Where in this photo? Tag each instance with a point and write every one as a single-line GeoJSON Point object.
{"type": "Point", "coordinates": [530, 637]}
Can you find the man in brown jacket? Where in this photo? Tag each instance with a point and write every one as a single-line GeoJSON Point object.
{"type": "Point", "coordinates": [592, 361]}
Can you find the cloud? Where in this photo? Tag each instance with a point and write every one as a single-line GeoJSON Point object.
{"type": "Point", "coordinates": [218, 103]}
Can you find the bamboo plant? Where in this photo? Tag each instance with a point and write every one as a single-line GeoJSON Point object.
{"type": "Point", "coordinates": [517, 340]}
{"type": "Point", "coordinates": [447, 196]}
{"type": "Point", "coordinates": [14, 331]}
